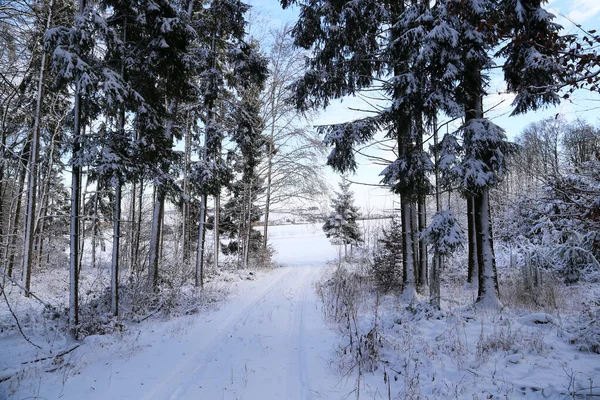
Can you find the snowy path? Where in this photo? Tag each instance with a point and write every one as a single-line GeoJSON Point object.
{"type": "Point", "coordinates": [258, 352]}
{"type": "Point", "coordinates": [269, 341]}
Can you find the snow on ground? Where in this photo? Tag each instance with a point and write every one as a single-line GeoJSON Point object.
{"type": "Point", "coordinates": [270, 340]}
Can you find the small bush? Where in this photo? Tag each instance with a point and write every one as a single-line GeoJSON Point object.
{"type": "Point", "coordinates": [540, 294]}
{"type": "Point", "coordinates": [387, 260]}
{"type": "Point", "coordinates": [585, 333]}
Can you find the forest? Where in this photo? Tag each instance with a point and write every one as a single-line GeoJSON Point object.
{"type": "Point", "coordinates": [160, 141]}
{"type": "Point", "coordinates": [118, 116]}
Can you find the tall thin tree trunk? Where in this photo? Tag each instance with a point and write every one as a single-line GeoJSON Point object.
{"type": "Point", "coordinates": [409, 292]}
{"type": "Point", "coordinates": [116, 245]}
{"type": "Point", "coordinates": [114, 270]}
{"type": "Point", "coordinates": [95, 226]}
{"type": "Point", "coordinates": [422, 213]}
{"type": "Point", "coordinates": [158, 213]}
{"type": "Point", "coordinates": [132, 225]}
{"type": "Point", "coordinates": [185, 211]}
{"type": "Point", "coordinates": [268, 194]}
{"type": "Point", "coordinates": [201, 238]}
{"type": "Point", "coordinates": [216, 229]}
{"type": "Point", "coordinates": [16, 220]}
{"type": "Point", "coordinates": [83, 219]}
{"type": "Point", "coordinates": [202, 226]}
{"type": "Point", "coordinates": [472, 272]}
{"type": "Point", "coordinates": [75, 206]}
{"type": "Point", "coordinates": [32, 174]}
{"type": "Point", "coordinates": [159, 202]}
{"type": "Point", "coordinates": [248, 225]}
{"type": "Point", "coordinates": [270, 149]}
{"type": "Point", "coordinates": [138, 228]}
{"type": "Point", "coordinates": [414, 226]}
{"type": "Point", "coordinates": [161, 248]}
{"type": "Point", "coordinates": [434, 282]}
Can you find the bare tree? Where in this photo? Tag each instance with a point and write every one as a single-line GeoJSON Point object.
{"type": "Point", "coordinates": [294, 153]}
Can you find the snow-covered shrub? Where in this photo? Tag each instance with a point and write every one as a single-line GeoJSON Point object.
{"type": "Point", "coordinates": [262, 257]}
{"type": "Point", "coordinates": [585, 332]}
{"type": "Point", "coordinates": [444, 233]}
{"type": "Point", "coordinates": [531, 290]}
{"type": "Point", "coordinates": [387, 259]}
{"type": "Point", "coordinates": [340, 290]}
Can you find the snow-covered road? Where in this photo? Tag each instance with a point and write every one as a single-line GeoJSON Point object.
{"type": "Point", "coordinates": [268, 341]}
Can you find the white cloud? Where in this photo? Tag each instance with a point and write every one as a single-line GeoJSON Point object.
{"type": "Point", "coordinates": [584, 10]}
{"type": "Point", "coordinates": [577, 11]}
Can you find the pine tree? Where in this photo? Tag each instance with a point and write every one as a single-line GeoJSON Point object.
{"type": "Point", "coordinates": [387, 260]}
{"type": "Point", "coordinates": [242, 210]}
{"type": "Point", "coordinates": [230, 62]}
{"type": "Point", "coordinates": [340, 226]}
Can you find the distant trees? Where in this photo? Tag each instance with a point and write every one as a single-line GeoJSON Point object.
{"type": "Point", "coordinates": [340, 225]}
{"type": "Point", "coordinates": [554, 224]}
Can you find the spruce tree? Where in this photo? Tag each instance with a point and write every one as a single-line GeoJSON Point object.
{"type": "Point", "coordinates": [340, 226]}
{"type": "Point", "coordinates": [387, 260]}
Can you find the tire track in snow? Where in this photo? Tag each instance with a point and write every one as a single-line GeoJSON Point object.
{"type": "Point", "coordinates": [304, 384]}
{"type": "Point", "coordinates": [296, 372]}
{"type": "Point", "coordinates": [173, 386]}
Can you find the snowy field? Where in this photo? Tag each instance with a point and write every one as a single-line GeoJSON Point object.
{"type": "Point", "coordinates": [270, 340]}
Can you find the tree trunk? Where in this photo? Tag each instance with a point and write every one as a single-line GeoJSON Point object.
{"type": "Point", "coordinates": [75, 204]}
{"type": "Point", "coordinates": [114, 270]}
{"type": "Point", "coordinates": [268, 193]}
{"type": "Point", "coordinates": [473, 267]}
{"type": "Point", "coordinates": [95, 227]}
{"type": "Point", "coordinates": [159, 203]}
{"type": "Point", "coordinates": [132, 225]}
{"type": "Point", "coordinates": [488, 294]}
{"type": "Point", "coordinates": [158, 213]}
{"type": "Point", "coordinates": [185, 209]}
{"type": "Point", "coordinates": [17, 217]}
{"type": "Point", "coordinates": [415, 239]}
{"type": "Point", "coordinates": [32, 174]}
{"type": "Point", "coordinates": [248, 229]}
{"type": "Point", "coordinates": [138, 231]}
{"type": "Point", "coordinates": [434, 283]}
{"type": "Point", "coordinates": [201, 238]}
{"type": "Point", "coordinates": [202, 226]}
{"type": "Point", "coordinates": [409, 291]}
{"type": "Point", "coordinates": [422, 212]}
{"type": "Point", "coordinates": [216, 229]}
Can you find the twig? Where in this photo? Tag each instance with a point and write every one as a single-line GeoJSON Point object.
{"type": "Point", "coordinates": [59, 354]}
{"type": "Point", "coordinates": [28, 291]}
{"type": "Point", "coordinates": [17, 319]}
{"type": "Point", "coordinates": [151, 314]}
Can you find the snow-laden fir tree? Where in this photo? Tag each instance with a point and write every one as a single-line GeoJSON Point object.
{"type": "Point", "coordinates": [387, 259]}
{"type": "Point", "coordinates": [229, 63]}
{"type": "Point", "coordinates": [340, 226]}
{"type": "Point", "coordinates": [242, 211]}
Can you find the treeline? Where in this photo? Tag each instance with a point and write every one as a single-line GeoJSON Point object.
{"type": "Point", "coordinates": [424, 66]}
{"type": "Point", "coordinates": [115, 113]}
{"type": "Point", "coordinates": [548, 208]}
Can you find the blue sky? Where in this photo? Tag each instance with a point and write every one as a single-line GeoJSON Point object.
{"type": "Point", "coordinates": [582, 104]}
